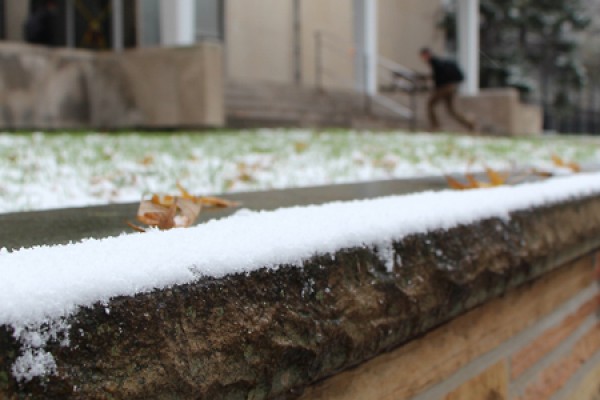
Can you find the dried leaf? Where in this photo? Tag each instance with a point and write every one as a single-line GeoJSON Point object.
{"type": "Point", "coordinates": [163, 200]}
{"type": "Point", "coordinates": [184, 193]}
{"type": "Point", "coordinates": [496, 178]}
{"type": "Point", "coordinates": [147, 160]}
{"type": "Point", "coordinates": [166, 211]}
{"type": "Point", "coordinates": [541, 173]}
{"type": "Point", "coordinates": [135, 227]}
{"type": "Point", "coordinates": [559, 162]}
{"type": "Point", "coordinates": [473, 183]}
{"type": "Point", "coordinates": [156, 215]}
{"type": "Point", "coordinates": [300, 147]}
{"type": "Point", "coordinates": [245, 177]}
{"type": "Point", "coordinates": [190, 211]}
{"type": "Point", "coordinates": [218, 202]}
{"type": "Point", "coordinates": [454, 184]}
{"type": "Point", "coordinates": [207, 201]}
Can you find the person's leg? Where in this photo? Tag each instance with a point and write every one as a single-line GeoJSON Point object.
{"type": "Point", "coordinates": [434, 98]}
{"type": "Point", "coordinates": [449, 95]}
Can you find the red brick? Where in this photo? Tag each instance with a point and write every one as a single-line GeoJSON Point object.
{"type": "Point", "coordinates": [491, 384]}
{"type": "Point", "coordinates": [553, 378]}
{"type": "Point", "coordinates": [551, 338]}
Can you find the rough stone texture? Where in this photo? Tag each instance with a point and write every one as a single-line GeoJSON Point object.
{"type": "Point", "coordinates": [449, 356]}
{"type": "Point", "coordinates": [43, 88]}
{"type": "Point", "coordinates": [270, 333]}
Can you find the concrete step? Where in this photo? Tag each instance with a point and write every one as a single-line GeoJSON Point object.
{"type": "Point", "coordinates": [311, 101]}
{"type": "Point", "coordinates": [269, 104]}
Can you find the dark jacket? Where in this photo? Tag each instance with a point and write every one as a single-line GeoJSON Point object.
{"type": "Point", "coordinates": [39, 26]}
{"type": "Point", "coordinates": [445, 72]}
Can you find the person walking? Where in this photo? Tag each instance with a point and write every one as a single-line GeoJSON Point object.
{"type": "Point", "coordinates": [446, 76]}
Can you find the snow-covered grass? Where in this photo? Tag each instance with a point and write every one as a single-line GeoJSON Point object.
{"type": "Point", "coordinates": [40, 171]}
{"type": "Point", "coordinates": [40, 286]}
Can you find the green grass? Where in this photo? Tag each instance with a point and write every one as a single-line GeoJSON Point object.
{"type": "Point", "coordinates": [61, 169]}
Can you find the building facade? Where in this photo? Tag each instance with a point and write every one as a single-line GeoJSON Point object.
{"type": "Point", "coordinates": [335, 45]}
{"type": "Point", "coordinates": [284, 41]}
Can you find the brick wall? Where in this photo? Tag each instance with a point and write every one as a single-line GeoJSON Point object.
{"type": "Point", "coordinates": [541, 341]}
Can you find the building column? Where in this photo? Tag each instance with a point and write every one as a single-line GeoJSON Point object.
{"type": "Point", "coordinates": [117, 25]}
{"type": "Point", "coordinates": [365, 32]}
{"type": "Point", "coordinates": [70, 23]}
{"type": "Point", "coordinates": [177, 22]}
{"type": "Point", "coordinates": [297, 35]}
{"type": "Point", "coordinates": [468, 44]}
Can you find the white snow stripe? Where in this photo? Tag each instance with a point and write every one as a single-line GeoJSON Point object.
{"type": "Point", "coordinates": [50, 282]}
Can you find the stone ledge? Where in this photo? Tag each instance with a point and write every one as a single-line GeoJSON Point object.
{"type": "Point", "coordinates": [159, 88]}
{"type": "Point", "coordinates": [271, 333]}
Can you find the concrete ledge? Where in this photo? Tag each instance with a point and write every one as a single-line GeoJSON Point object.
{"type": "Point", "coordinates": [45, 88]}
{"type": "Point", "coordinates": [495, 111]}
{"type": "Point", "coordinates": [500, 111]}
{"type": "Point", "coordinates": [272, 333]}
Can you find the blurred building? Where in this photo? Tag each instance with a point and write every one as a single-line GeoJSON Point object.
{"type": "Point", "coordinates": [293, 62]}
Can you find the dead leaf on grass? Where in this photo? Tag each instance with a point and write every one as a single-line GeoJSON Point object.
{"type": "Point", "coordinates": [147, 160]}
{"type": "Point", "coordinates": [300, 147]}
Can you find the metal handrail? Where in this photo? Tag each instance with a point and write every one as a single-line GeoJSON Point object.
{"type": "Point", "coordinates": [394, 107]}
{"type": "Point", "coordinates": [407, 81]}
{"type": "Point", "coordinates": [411, 79]}
{"type": "Point", "coordinates": [396, 68]}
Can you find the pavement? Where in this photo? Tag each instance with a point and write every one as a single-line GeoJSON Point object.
{"type": "Point", "coordinates": [61, 226]}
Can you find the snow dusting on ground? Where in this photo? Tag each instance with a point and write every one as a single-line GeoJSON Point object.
{"type": "Point", "coordinates": [41, 171]}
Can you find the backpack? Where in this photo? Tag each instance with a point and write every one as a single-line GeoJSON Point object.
{"type": "Point", "coordinates": [36, 27]}
{"type": "Point", "coordinates": [453, 71]}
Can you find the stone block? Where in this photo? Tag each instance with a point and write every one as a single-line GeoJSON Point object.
{"type": "Point", "coordinates": [495, 111]}
{"type": "Point", "coordinates": [43, 88]}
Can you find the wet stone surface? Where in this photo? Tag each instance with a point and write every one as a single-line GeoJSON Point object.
{"type": "Point", "coordinates": [271, 333]}
{"type": "Point", "coordinates": [62, 226]}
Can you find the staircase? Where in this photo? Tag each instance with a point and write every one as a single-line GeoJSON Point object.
{"type": "Point", "coordinates": [251, 105]}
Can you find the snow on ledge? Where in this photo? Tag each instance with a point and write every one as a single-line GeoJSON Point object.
{"type": "Point", "coordinates": [47, 283]}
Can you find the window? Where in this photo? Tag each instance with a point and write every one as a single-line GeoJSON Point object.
{"type": "Point", "coordinates": [208, 20]}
